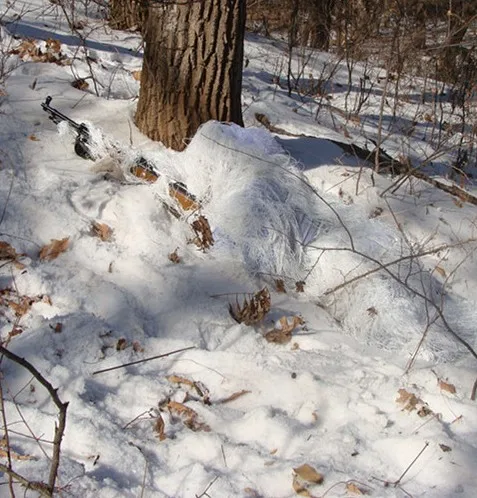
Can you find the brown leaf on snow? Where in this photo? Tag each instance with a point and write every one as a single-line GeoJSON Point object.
{"type": "Point", "coordinates": [101, 230]}
{"type": "Point", "coordinates": [137, 348]}
{"type": "Point", "coordinates": [300, 286]}
{"type": "Point", "coordinates": [300, 487]}
{"type": "Point", "coordinates": [188, 416]}
{"type": "Point", "coordinates": [411, 402]}
{"type": "Point", "coordinates": [280, 286]}
{"type": "Point", "coordinates": [407, 399]}
{"type": "Point", "coordinates": [234, 396]}
{"type": "Point", "coordinates": [251, 311]}
{"type": "Point", "coordinates": [136, 75]}
{"type": "Point", "coordinates": [354, 489]}
{"type": "Point", "coordinates": [15, 456]}
{"type": "Point", "coordinates": [121, 344]}
{"type": "Point", "coordinates": [58, 328]}
{"type": "Point", "coordinates": [252, 493]}
{"type": "Point", "coordinates": [159, 427]}
{"type": "Point", "coordinates": [144, 173]}
{"type": "Point", "coordinates": [200, 388]}
{"type": "Point", "coordinates": [80, 84]}
{"type": "Point", "coordinates": [7, 251]}
{"type": "Point", "coordinates": [54, 249]}
{"type": "Point", "coordinates": [174, 257]}
{"type": "Point", "coordinates": [203, 234]}
{"type": "Point", "coordinates": [445, 386]}
{"type": "Point", "coordinates": [283, 334]}
{"type": "Point", "coordinates": [445, 448]}
{"type": "Point", "coordinates": [19, 304]}
{"type": "Point", "coordinates": [176, 379]}
{"type": "Point", "coordinates": [441, 271]}
{"type": "Point", "coordinates": [309, 474]}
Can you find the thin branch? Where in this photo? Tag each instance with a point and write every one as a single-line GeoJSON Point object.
{"type": "Point", "coordinates": [7, 440]}
{"type": "Point", "coordinates": [143, 361]}
{"type": "Point", "coordinates": [40, 487]}
{"type": "Point", "coordinates": [382, 266]}
{"type": "Point", "coordinates": [396, 483]}
{"type": "Point", "coordinates": [62, 407]}
{"type": "Point", "coordinates": [204, 493]}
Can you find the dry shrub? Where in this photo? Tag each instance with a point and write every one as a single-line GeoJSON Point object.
{"type": "Point", "coordinates": [252, 310]}
{"type": "Point", "coordinates": [203, 234]}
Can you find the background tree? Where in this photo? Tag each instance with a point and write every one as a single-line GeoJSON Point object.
{"type": "Point", "coordinates": [192, 70]}
{"type": "Point", "coordinates": [126, 14]}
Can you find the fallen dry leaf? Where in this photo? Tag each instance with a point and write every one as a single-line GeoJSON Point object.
{"type": "Point", "coordinates": [407, 399]}
{"type": "Point", "coordinates": [101, 230]}
{"type": "Point", "coordinates": [33, 138]}
{"type": "Point", "coordinates": [252, 493]}
{"type": "Point", "coordinates": [445, 448]}
{"type": "Point", "coordinates": [188, 416]}
{"type": "Point", "coordinates": [411, 402]}
{"type": "Point", "coordinates": [234, 396]}
{"type": "Point", "coordinates": [200, 388]}
{"type": "Point", "coordinates": [15, 456]}
{"type": "Point", "coordinates": [54, 249]}
{"type": "Point", "coordinates": [9, 252]}
{"type": "Point", "coordinates": [283, 334]}
{"type": "Point", "coordinates": [300, 487]}
{"type": "Point", "coordinates": [176, 379]}
{"type": "Point", "coordinates": [137, 348]}
{"type": "Point", "coordinates": [445, 386]}
{"type": "Point", "coordinates": [174, 257]}
{"type": "Point", "coordinates": [136, 75]}
{"type": "Point", "coordinates": [309, 474]}
{"type": "Point", "coordinates": [203, 234]}
{"type": "Point", "coordinates": [159, 427]}
{"type": "Point", "coordinates": [280, 286]}
{"type": "Point", "coordinates": [58, 328]}
{"type": "Point", "coordinates": [122, 344]}
{"type": "Point", "coordinates": [144, 173]}
{"type": "Point", "coordinates": [441, 271]}
{"type": "Point", "coordinates": [80, 84]}
{"type": "Point", "coordinates": [300, 286]}
{"type": "Point", "coordinates": [354, 489]}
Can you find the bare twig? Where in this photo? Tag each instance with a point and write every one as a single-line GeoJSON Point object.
{"type": "Point", "coordinates": [144, 360]}
{"type": "Point", "coordinates": [62, 407]}
{"type": "Point", "coordinates": [396, 483]}
{"type": "Point", "coordinates": [40, 487]}
{"type": "Point", "coordinates": [7, 440]}
{"type": "Point", "coordinates": [474, 391]}
{"type": "Point", "coordinates": [204, 493]}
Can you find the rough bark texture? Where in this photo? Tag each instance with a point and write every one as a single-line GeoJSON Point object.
{"type": "Point", "coordinates": [192, 69]}
{"type": "Point", "coordinates": [126, 14]}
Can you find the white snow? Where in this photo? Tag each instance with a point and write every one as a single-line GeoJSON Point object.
{"type": "Point", "coordinates": [280, 207]}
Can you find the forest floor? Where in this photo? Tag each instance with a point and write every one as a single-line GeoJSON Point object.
{"type": "Point", "coordinates": [353, 377]}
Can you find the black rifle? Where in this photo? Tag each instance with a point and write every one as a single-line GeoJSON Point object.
{"type": "Point", "coordinates": [142, 168]}
{"type": "Point", "coordinates": [82, 134]}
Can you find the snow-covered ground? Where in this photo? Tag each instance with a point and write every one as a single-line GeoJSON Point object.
{"type": "Point", "coordinates": [235, 415]}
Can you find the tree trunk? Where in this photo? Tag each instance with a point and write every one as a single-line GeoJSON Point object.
{"type": "Point", "coordinates": [126, 14]}
{"type": "Point", "coordinates": [455, 57]}
{"type": "Point", "coordinates": [320, 22]}
{"type": "Point", "coordinates": [192, 70]}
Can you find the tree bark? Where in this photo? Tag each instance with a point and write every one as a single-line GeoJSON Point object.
{"type": "Point", "coordinates": [192, 70]}
{"type": "Point", "coordinates": [126, 14]}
